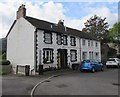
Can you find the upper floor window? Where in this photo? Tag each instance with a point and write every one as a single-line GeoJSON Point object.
{"type": "Point", "coordinates": [83, 41]}
{"type": "Point", "coordinates": [73, 55]}
{"type": "Point", "coordinates": [73, 41]}
{"type": "Point", "coordinates": [48, 55]}
{"type": "Point", "coordinates": [91, 43]}
{"type": "Point", "coordinates": [59, 39]}
{"type": "Point", "coordinates": [64, 39]}
{"type": "Point", "coordinates": [96, 44]}
{"type": "Point", "coordinates": [48, 37]}
{"type": "Point", "coordinates": [88, 42]}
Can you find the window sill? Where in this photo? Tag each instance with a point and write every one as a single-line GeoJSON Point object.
{"type": "Point", "coordinates": [73, 60]}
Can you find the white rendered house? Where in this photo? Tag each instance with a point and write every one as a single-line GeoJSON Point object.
{"type": "Point", "coordinates": [32, 41]}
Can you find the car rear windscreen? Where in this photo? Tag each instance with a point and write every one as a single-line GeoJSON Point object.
{"type": "Point", "coordinates": [111, 59]}
{"type": "Point", "coordinates": [86, 61]}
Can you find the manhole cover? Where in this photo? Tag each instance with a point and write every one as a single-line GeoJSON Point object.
{"type": "Point", "coordinates": [116, 84]}
{"type": "Point", "coordinates": [62, 86]}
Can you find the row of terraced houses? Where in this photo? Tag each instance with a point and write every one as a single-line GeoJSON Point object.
{"type": "Point", "coordinates": [33, 41]}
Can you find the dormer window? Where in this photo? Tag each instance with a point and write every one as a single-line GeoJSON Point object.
{"type": "Point", "coordinates": [48, 37]}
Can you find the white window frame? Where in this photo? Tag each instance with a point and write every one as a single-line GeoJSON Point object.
{"type": "Point", "coordinates": [84, 53]}
{"type": "Point", "coordinates": [59, 39]}
{"type": "Point", "coordinates": [47, 37]}
{"type": "Point", "coordinates": [73, 39]}
{"type": "Point", "coordinates": [64, 39]}
{"type": "Point", "coordinates": [96, 44]}
{"type": "Point", "coordinates": [88, 42]}
{"type": "Point", "coordinates": [91, 43]}
{"type": "Point", "coordinates": [48, 56]}
{"type": "Point", "coordinates": [83, 42]}
{"type": "Point", "coordinates": [73, 55]}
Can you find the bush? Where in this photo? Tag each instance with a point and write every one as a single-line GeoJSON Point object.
{"type": "Point", "coordinates": [4, 56]}
{"type": "Point", "coordinates": [5, 62]}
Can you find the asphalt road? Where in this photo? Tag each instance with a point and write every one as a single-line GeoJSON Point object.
{"type": "Point", "coordinates": [71, 83]}
{"type": "Point", "coordinates": [77, 83]}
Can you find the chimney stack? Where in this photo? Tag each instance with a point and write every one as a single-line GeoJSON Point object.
{"type": "Point", "coordinates": [21, 11]}
{"type": "Point", "coordinates": [61, 22]}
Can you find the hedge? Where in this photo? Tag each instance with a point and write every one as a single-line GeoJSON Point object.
{"type": "Point", "coordinates": [5, 62]}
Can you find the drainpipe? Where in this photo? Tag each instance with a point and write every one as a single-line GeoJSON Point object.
{"type": "Point", "coordinates": [80, 48]}
{"type": "Point", "coordinates": [35, 50]}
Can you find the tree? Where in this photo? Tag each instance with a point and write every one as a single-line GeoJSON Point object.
{"type": "Point", "coordinates": [97, 26]}
{"type": "Point", "coordinates": [114, 34]}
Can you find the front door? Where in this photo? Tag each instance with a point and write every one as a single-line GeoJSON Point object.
{"type": "Point", "coordinates": [62, 58]}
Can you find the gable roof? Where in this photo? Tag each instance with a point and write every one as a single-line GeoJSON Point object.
{"type": "Point", "coordinates": [44, 25]}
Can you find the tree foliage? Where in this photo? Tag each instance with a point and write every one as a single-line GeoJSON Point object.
{"type": "Point", "coordinates": [97, 26]}
{"type": "Point", "coordinates": [114, 33]}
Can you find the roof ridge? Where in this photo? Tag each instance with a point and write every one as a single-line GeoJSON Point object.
{"type": "Point", "coordinates": [39, 19]}
{"type": "Point", "coordinates": [45, 25]}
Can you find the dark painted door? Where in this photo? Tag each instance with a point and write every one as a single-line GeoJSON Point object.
{"type": "Point", "coordinates": [62, 58]}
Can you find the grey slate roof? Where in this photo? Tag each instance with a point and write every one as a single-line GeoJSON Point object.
{"type": "Point", "coordinates": [44, 25]}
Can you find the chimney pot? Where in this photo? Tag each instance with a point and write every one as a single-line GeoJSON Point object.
{"type": "Point", "coordinates": [61, 22]}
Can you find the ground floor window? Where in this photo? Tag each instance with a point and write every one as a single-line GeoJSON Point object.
{"type": "Point", "coordinates": [47, 55]}
{"type": "Point", "coordinates": [90, 55]}
{"type": "Point", "coordinates": [84, 55]}
{"type": "Point", "coordinates": [73, 55]}
{"type": "Point", "coordinates": [96, 55]}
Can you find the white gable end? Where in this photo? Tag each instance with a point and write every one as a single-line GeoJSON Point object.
{"type": "Point", "coordinates": [20, 43]}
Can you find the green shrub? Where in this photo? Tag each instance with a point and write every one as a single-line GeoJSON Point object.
{"type": "Point", "coordinates": [5, 62]}
{"type": "Point", "coordinates": [3, 56]}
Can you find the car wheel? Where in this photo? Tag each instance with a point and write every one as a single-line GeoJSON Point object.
{"type": "Point", "coordinates": [81, 70]}
{"type": "Point", "coordinates": [102, 69]}
{"type": "Point", "coordinates": [118, 65]}
{"type": "Point", "coordinates": [107, 66]}
{"type": "Point", "coordinates": [93, 70]}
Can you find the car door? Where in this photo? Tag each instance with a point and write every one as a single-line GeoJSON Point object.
{"type": "Point", "coordinates": [95, 65]}
{"type": "Point", "coordinates": [99, 65]}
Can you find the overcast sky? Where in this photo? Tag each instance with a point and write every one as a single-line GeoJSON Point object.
{"type": "Point", "coordinates": [73, 12]}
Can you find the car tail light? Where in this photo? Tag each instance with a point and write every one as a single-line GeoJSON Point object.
{"type": "Point", "coordinates": [90, 64]}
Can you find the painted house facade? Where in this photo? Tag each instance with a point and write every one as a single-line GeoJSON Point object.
{"type": "Point", "coordinates": [32, 41]}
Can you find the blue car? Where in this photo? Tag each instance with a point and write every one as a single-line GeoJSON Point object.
{"type": "Point", "coordinates": [91, 65]}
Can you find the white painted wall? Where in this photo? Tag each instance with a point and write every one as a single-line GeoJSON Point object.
{"type": "Point", "coordinates": [20, 43]}
{"type": "Point", "coordinates": [55, 46]}
{"type": "Point", "coordinates": [93, 48]}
